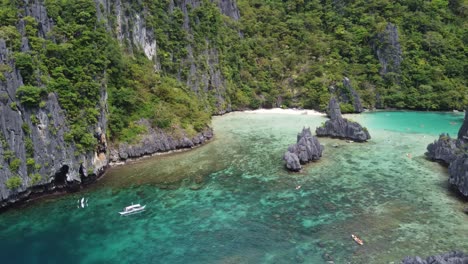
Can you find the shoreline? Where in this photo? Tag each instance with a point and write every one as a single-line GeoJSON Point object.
{"type": "Point", "coordinates": [119, 163]}
{"type": "Point", "coordinates": [287, 111]}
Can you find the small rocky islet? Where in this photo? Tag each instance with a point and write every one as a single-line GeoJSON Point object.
{"type": "Point", "coordinates": [308, 147]}
{"type": "Point", "coordinates": [339, 127]}
{"type": "Point", "coordinates": [454, 153]}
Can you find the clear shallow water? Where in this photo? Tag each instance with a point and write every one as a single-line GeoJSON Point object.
{"type": "Point", "coordinates": [247, 209]}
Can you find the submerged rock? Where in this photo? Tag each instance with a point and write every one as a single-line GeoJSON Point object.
{"type": "Point", "coordinates": [340, 127]}
{"type": "Point", "coordinates": [306, 149]}
{"type": "Point", "coordinates": [455, 257]}
{"type": "Point", "coordinates": [454, 153]}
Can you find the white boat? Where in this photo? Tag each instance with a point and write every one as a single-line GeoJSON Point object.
{"type": "Point", "coordinates": [133, 209]}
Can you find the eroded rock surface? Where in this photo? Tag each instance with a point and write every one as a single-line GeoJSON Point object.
{"type": "Point", "coordinates": [455, 257]}
{"type": "Point", "coordinates": [306, 149]}
{"type": "Point", "coordinates": [339, 127]}
{"type": "Point", "coordinates": [454, 153]}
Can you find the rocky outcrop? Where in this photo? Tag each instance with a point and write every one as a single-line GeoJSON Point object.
{"type": "Point", "coordinates": [34, 152]}
{"type": "Point", "coordinates": [458, 171]}
{"type": "Point", "coordinates": [351, 96]}
{"type": "Point", "coordinates": [455, 257]}
{"type": "Point", "coordinates": [387, 47]}
{"type": "Point", "coordinates": [339, 127]}
{"type": "Point", "coordinates": [157, 140]}
{"type": "Point", "coordinates": [305, 150]}
{"type": "Point", "coordinates": [463, 132]}
{"type": "Point", "coordinates": [443, 149]}
{"type": "Point", "coordinates": [454, 153]}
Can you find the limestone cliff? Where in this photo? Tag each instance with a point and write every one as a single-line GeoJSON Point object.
{"type": "Point", "coordinates": [36, 154]}
{"type": "Point", "coordinates": [135, 26]}
{"type": "Point", "coordinates": [388, 50]}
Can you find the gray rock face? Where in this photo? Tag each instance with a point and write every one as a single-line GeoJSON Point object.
{"type": "Point", "coordinates": [458, 171]}
{"type": "Point", "coordinates": [339, 127]}
{"type": "Point", "coordinates": [355, 100]}
{"type": "Point", "coordinates": [36, 9]}
{"type": "Point", "coordinates": [155, 141]}
{"type": "Point", "coordinates": [463, 132]}
{"type": "Point", "coordinates": [37, 135]}
{"type": "Point", "coordinates": [334, 112]}
{"type": "Point", "coordinates": [305, 150]}
{"type": "Point", "coordinates": [132, 29]}
{"type": "Point", "coordinates": [455, 257]}
{"type": "Point", "coordinates": [454, 153]}
{"type": "Point", "coordinates": [387, 47]}
{"type": "Point", "coordinates": [443, 149]}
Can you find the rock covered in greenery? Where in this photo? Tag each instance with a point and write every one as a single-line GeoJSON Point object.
{"type": "Point", "coordinates": [108, 64]}
{"type": "Point", "coordinates": [306, 149]}
{"type": "Point", "coordinates": [339, 127]}
{"type": "Point", "coordinates": [351, 96]}
{"type": "Point", "coordinates": [157, 140]}
{"type": "Point", "coordinates": [455, 257]}
{"type": "Point", "coordinates": [388, 49]}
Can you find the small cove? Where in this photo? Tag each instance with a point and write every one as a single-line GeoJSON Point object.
{"type": "Point", "coordinates": [248, 210]}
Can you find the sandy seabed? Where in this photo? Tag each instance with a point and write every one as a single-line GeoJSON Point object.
{"type": "Point", "coordinates": [285, 111]}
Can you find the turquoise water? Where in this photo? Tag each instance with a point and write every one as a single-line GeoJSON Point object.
{"type": "Point", "coordinates": [231, 201]}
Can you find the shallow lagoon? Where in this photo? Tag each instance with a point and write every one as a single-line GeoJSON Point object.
{"type": "Point", "coordinates": [248, 210]}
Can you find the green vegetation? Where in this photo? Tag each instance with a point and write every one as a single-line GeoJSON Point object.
{"type": "Point", "coordinates": [35, 178]}
{"type": "Point", "coordinates": [13, 182]}
{"type": "Point", "coordinates": [30, 95]}
{"type": "Point", "coordinates": [15, 164]}
{"type": "Point", "coordinates": [279, 54]}
{"type": "Point", "coordinates": [295, 50]}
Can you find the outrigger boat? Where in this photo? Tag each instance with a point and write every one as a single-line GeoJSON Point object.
{"type": "Point", "coordinates": [133, 209]}
{"type": "Point", "coordinates": [357, 239]}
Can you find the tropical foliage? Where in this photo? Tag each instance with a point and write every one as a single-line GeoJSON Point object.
{"type": "Point", "coordinates": [280, 53]}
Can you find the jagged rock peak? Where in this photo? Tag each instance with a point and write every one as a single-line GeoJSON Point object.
{"type": "Point", "coordinates": [442, 149]}
{"type": "Point", "coordinates": [455, 257]}
{"type": "Point", "coordinates": [306, 149]}
{"type": "Point", "coordinates": [334, 111]}
{"type": "Point", "coordinates": [340, 127]}
{"type": "Point", "coordinates": [355, 100]}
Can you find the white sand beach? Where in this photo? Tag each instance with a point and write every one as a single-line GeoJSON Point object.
{"type": "Point", "coordinates": [285, 111]}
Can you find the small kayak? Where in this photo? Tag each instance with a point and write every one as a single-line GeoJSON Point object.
{"type": "Point", "coordinates": [357, 239]}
